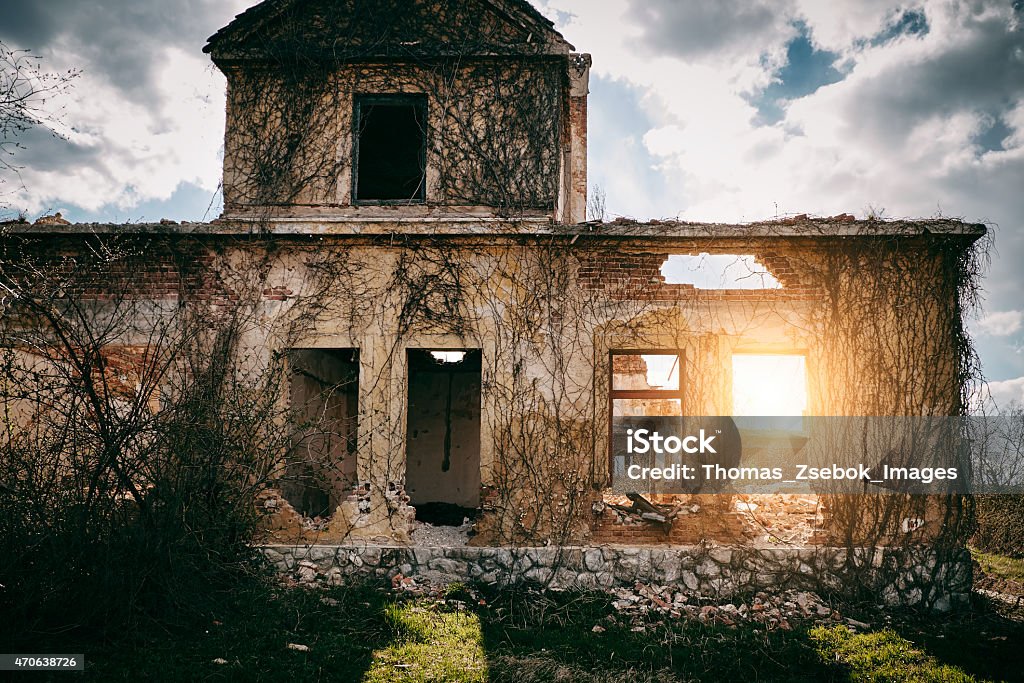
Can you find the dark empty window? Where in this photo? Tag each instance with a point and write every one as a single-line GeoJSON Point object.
{"type": "Point", "coordinates": [390, 148]}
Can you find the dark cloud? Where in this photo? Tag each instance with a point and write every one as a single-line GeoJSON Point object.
{"type": "Point", "coordinates": [26, 24]}
{"type": "Point", "coordinates": [120, 47]}
{"type": "Point", "coordinates": [120, 39]}
{"type": "Point", "coordinates": [698, 29]}
{"type": "Point", "coordinates": [903, 23]}
{"type": "Point", "coordinates": [983, 72]}
{"type": "Point", "coordinates": [42, 151]}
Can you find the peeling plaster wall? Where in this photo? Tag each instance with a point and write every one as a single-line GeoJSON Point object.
{"type": "Point", "coordinates": [537, 114]}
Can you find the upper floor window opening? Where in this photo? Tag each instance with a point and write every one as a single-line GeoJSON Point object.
{"type": "Point", "coordinates": [390, 148]}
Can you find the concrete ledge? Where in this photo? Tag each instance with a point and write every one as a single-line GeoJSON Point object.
{"type": "Point", "coordinates": [898, 576]}
{"type": "Point", "coordinates": [472, 224]}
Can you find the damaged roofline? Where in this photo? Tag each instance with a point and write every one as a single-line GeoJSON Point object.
{"type": "Point", "coordinates": [480, 226]}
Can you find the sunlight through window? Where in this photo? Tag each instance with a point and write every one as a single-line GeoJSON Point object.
{"type": "Point", "coordinates": [769, 385]}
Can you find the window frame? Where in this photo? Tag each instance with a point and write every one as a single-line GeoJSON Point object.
{"type": "Point", "coordinates": [614, 393]}
{"type": "Point", "coordinates": [359, 100]}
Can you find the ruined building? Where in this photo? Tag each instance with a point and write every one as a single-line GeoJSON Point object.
{"type": "Point", "coordinates": [405, 192]}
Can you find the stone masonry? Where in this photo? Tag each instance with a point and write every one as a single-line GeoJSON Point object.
{"type": "Point", "coordinates": [898, 577]}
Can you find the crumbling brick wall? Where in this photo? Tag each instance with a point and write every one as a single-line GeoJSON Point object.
{"type": "Point", "coordinates": [631, 275]}
{"type": "Point", "coordinates": [545, 314]}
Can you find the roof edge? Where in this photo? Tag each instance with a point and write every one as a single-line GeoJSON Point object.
{"type": "Point", "coordinates": [537, 226]}
{"type": "Point", "coordinates": [248, 21]}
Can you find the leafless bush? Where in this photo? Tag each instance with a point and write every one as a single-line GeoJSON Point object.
{"type": "Point", "coordinates": [26, 94]}
{"type": "Point", "coordinates": [139, 426]}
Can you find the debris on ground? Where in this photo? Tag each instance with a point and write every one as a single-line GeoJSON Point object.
{"type": "Point", "coordinates": [647, 605]}
{"type": "Point", "coordinates": [417, 586]}
{"type": "Point", "coordinates": [424, 534]}
{"type": "Point", "coordinates": [637, 606]}
{"type": "Point", "coordinates": [642, 511]}
{"type": "Point", "coordinates": [789, 519]}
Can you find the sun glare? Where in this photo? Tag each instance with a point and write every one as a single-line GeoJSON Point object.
{"type": "Point", "coordinates": [769, 385]}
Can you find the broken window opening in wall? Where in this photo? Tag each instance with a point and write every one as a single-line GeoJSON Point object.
{"type": "Point", "coordinates": [390, 148]}
{"type": "Point", "coordinates": [770, 400]}
{"type": "Point", "coordinates": [442, 477]}
{"type": "Point", "coordinates": [643, 383]}
{"type": "Point", "coordinates": [769, 385]}
{"type": "Point", "coordinates": [718, 271]}
{"type": "Point", "coordinates": [324, 396]}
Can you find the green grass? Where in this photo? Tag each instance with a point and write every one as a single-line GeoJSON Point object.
{"type": "Point", "coordinates": [1000, 566]}
{"type": "Point", "coordinates": [882, 656]}
{"type": "Point", "coordinates": [363, 634]}
{"type": "Point", "coordinates": [430, 645]}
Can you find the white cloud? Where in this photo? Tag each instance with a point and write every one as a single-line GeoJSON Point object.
{"type": "Point", "coordinates": [145, 116]}
{"type": "Point", "coordinates": [135, 150]}
{"type": "Point", "coordinates": [1007, 392]}
{"type": "Point", "coordinates": [838, 24]}
{"type": "Point", "coordinates": [901, 131]}
{"type": "Point", "coordinates": [1002, 324]}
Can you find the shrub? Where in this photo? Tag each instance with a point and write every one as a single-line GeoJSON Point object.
{"type": "Point", "coordinates": [1000, 525]}
{"type": "Point", "coordinates": [134, 440]}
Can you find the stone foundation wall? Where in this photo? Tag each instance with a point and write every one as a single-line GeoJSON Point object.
{"type": "Point", "coordinates": [904, 576]}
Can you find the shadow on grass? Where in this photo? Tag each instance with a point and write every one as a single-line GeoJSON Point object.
{"type": "Point", "coordinates": [245, 636]}
{"type": "Point", "coordinates": [980, 641]}
{"type": "Point", "coordinates": [551, 637]}
{"type": "Point", "coordinates": [364, 634]}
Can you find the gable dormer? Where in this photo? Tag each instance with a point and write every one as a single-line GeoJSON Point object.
{"type": "Point", "coordinates": [408, 108]}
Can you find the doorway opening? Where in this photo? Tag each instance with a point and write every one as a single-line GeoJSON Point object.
{"type": "Point", "coordinates": [442, 476]}
{"type": "Point", "coordinates": [324, 397]}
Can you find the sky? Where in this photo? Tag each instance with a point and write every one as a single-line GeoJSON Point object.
{"type": "Point", "coordinates": [706, 110]}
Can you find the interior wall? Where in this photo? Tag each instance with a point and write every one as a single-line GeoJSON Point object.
{"type": "Point", "coordinates": [324, 390]}
{"type": "Point", "coordinates": [443, 444]}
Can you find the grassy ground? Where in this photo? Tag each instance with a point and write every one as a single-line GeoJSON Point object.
{"type": "Point", "coordinates": [366, 634]}
{"type": "Point", "coordinates": [1006, 568]}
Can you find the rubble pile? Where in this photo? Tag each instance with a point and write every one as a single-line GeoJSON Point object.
{"type": "Point", "coordinates": [645, 605]}
{"type": "Point", "coordinates": [424, 534]}
{"type": "Point", "coordinates": [315, 523]}
{"type": "Point", "coordinates": [306, 575]}
{"type": "Point", "coordinates": [781, 518]}
{"type": "Point", "coordinates": [634, 509]}
{"type": "Point", "coordinates": [417, 586]}
{"type": "Point", "coordinates": [764, 520]}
